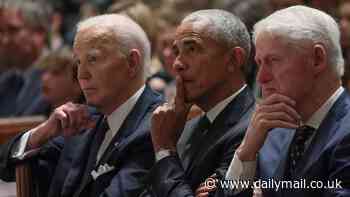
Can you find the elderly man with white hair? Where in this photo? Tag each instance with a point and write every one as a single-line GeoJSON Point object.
{"type": "Point", "coordinates": [211, 49]}
{"type": "Point", "coordinates": [298, 140]}
{"type": "Point", "coordinates": [80, 154]}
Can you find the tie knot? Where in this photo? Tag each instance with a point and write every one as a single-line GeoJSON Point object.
{"type": "Point", "coordinates": [104, 125]}
{"type": "Point", "coordinates": [304, 132]}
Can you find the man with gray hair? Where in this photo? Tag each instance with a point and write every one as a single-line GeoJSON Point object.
{"type": "Point", "coordinates": [299, 135]}
{"type": "Point", "coordinates": [77, 153]}
{"type": "Point", "coordinates": [211, 49]}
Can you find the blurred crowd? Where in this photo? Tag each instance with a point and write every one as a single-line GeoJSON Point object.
{"type": "Point", "coordinates": [37, 71]}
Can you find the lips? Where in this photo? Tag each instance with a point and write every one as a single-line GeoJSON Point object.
{"type": "Point", "coordinates": [88, 90]}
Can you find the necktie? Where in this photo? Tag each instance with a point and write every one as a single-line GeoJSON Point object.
{"type": "Point", "coordinates": [96, 143]}
{"type": "Point", "coordinates": [100, 136]}
{"type": "Point", "coordinates": [298, 145]}
{"type": "Point", "coordinates": [194, 143]}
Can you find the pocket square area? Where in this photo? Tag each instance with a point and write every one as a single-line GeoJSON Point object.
{"type": "Point", "coordinates": [102, 169]}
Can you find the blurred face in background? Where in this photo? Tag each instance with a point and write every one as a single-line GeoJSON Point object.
{"type": "Point", "coordinates": [20, 45]}
{"type": "Point", "coordinates": [59, 85]}
{"type": "Point", "coordinates": [344, 15]}
{"type": "Point", "coordinates": [165, 50]}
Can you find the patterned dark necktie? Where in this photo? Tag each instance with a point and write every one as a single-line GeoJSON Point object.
{"type": "Point", "coordinates": [196, 140]}
{"type": "Point", "coordinates": [298, 145]}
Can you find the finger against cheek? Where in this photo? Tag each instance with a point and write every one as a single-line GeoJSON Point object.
{"type": "Point", "coordinates": [180, 94]}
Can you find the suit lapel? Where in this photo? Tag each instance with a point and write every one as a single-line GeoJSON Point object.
{"type": "Point", "coordinates": [282, 138]}
{"type": "Point", "coordinates": [87, 156]}
{"type": "Point", "coordinates": [82, 145]}
{"type": "Point", "coordinates": [325, 132]}
{"type": "Point", "coordinates": [117, 146]}
{"type": "Point", "coordinates": [147, 100]}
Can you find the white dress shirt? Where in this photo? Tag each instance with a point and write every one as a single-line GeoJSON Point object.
{"type": "Point", "coordinates": [211, 114]}
{"type": "Point", "coordinates": [115, 120]}
{"type": "Point", "coordinates": [239, 170]}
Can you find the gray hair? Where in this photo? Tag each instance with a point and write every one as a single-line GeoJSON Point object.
{"type": "Point", "coordinates": [223, 27]}
{"type": "Point", "coordinates": [130, 35]}
{"type": "Point", "coordinates": [35, 14]}
{"type": "Point", "coordinates": [298, 24]}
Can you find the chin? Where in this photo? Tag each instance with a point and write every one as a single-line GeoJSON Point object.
{"type": "Point", "coordinates": [92, 101]}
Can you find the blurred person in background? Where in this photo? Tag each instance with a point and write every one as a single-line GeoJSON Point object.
{"type": "Point", "coordinates": [23, 34]}
{"type": "Point", "coordinates": [59, 80]}
{"type": "Point", "coordinates": [108, 154]}
{"type": "Point", "coordinates": [344, 16]}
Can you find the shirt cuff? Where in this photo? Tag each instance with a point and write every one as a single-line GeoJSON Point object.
{"type": "Point", "coordinates": [163, 153]}
{"type": "Point", "coordinates": [239, 170]}
{"type": "Point", "coordinates": [20, 146]}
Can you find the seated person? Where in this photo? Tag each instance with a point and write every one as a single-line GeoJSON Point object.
{"type": "Point", "coordinates": [103, 155]}
{"type": "Point", "coordinates": [59, 80]}
{"type": "Point", "coordinates": [300, 131]}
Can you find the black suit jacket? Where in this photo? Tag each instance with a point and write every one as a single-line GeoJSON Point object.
{"type": "Point", "coordinates": [64, 166]}
{"type": "Point", "coordinates": [170, 177]}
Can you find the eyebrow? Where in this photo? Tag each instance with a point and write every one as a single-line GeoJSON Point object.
{"type": "Point", "coordinates": [189, 42]}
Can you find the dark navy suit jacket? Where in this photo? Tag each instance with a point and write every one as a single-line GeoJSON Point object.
{"type": "Point", "coordinates": [11, 83]}
{"type": "Point", "coordinates": [171, 177]}
{"type": "Point", "coordinates": [327, 157]}
{"type": "Point", "coordinates": [63, 165]}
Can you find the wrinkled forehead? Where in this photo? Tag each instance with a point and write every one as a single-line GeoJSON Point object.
{"type": "Point", "coordinates": [94, 37]}
{"type": "Point", "coordinates": [191, 31]}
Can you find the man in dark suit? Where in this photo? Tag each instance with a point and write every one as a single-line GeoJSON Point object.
{"type": "Point", "coordinates": [24, 28]}
{"type": "Point", "coordinates": [211, 48]}
{"type": "Point", "coordinates": [111, 156]}
{"type": "Point", "coordinates": [300, 131]}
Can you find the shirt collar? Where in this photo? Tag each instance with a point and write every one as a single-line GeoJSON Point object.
{"type": "Point", "coordinates": [117, 117]}
{"type": "Point", "coordinates": [215, 111]}
{"type": "Point", "coordinates": [317, 117]}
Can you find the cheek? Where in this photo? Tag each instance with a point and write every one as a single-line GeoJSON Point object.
{"type": "Point", "coordinates": [295, 83]}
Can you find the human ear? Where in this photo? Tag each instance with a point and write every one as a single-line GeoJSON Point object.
{"type": "Point", "coordinates": [134, 60]}
{"type": "Point", "coordinates": [319, 58]}
{"type": "Point", "coordinates": [237, 59]}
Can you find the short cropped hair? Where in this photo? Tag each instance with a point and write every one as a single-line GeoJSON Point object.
{"type": "Point", "coordinates": [298, 24]}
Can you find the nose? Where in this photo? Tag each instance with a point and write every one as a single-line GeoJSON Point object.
{"type": "Point", "coordinates": [45, 77]}
{"type": "Point", "coordinates": [179, 65]}
{"type": "Point", "coordinates": [264, 74]}
{"type": "Point", "coordinates": [83, 73]}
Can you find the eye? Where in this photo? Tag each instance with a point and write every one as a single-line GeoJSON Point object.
{"type": "Point", "coordinates": [190, 48]}
{"type": "Point", "coordinates": [91, 59]}
{"type": "Point", "coordinates": [175, 50]}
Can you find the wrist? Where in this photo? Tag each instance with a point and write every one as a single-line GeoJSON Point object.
{"type": "Point", "coordinates": [244, 154]}
{"type": "Point", "coordinates": [158, 148]}
{"type": "Point", "coordinates": [40, 135]}
{"type": "Point", "coordinates": [163, 153]}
